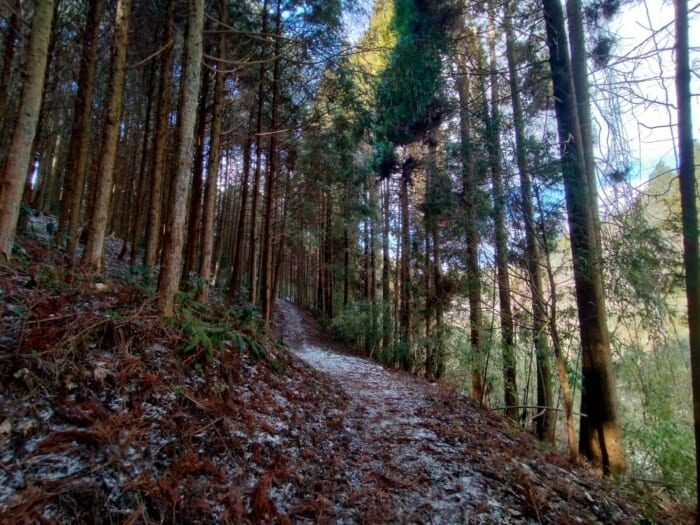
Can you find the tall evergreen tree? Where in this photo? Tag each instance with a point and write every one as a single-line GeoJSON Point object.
{"type": "Point", "coordinates": [17, 161]}
{"type": "Point", "coordinates": [691, 238]}
{"type": "Point", "coordinates": [100, 207]}
{"type": "Point", "coordinates": [173, 245]}
{"type": "Point", "coordinates": [600, 437]}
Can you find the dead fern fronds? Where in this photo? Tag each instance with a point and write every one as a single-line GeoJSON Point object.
{"type": "Point", "coordinates": [263, 506]}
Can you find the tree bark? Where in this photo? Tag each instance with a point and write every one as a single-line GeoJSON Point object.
{"type": "Point", "coordinates": [76, 168]}
{"type": "Point", "coordinates": [406, 303]}
{"type": "Point", "coordinates": [493, 141]}
{"type": "Point", "coordinates": [236, 266]}
{"type": "Point", "coordinates": [253, 255]}
{"type": "Point", "coordinates": [272, 161]}
{"type": "Point", "coordinates": [600, 438]}
{"type": "Point", "coordinates": [175, 233]}
{"type": "Point", "coordinates": [194, 220]}
{"type": "Point", "coordinates": [387, 322]}
{"type": "Point", "coordinates": [17, 161]}
{"type": "Point", "coordinates": [688, 188]}
{"type": "Point", "coordinates": [8, 66]}
{"type": "Point", "coordinates": [545, 423]}
{"type": "Point", "coordinates": [212, 169]}
{"type": "Point", "coordinates": [579, 75]}
{"type": "Point", "coordinates": [155, 208]}
{"type": "Point", "coordinates": [470, 200]}
{"type": "Point", "coordinates": [94, 250]}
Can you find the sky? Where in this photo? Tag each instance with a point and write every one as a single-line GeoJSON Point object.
{"type": "Point", "coordinates": [635, 107]}
{"type": "Point", "coordinates": [642, 84]}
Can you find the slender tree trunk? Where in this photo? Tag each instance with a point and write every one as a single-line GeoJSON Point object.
{"type": "Point", "coordinates": [386, 275]}
{"type": "Point", "coordinates": [544, 423]}
{"type": "Point", "coordinates": [236, 266]}
{"type": "Point", "coordinates": [212, 169]}
{"type": "Point", "coordinates": [155, 208]}
{"type": "Point", "coordinates": [272, 161]}
{"type": "Point", "coordinates": [76, 168]}
{"type": "Point", "coordinates": [405, 312]}
{"type": "Point", "coordinates": [440, 299]}
{"type": "Point", "coordinates": [194, 220]}
{"type": "Point", "coordinates": [253, 260]}
{"type": "Point", "coordinates": [346, 267]}
{"type": "Point", "coordinates": [16, 163]}
{"type": "Point", "coordinates": [175, 232]}
{"type": "Point", "coordinates": [94, 250]}
{"type": "Point", "coordinates": [141, 198]}
{"type": "Point", "coordinates": [493, 141]}
{"type": "Point", "coordinates": [688, 187]}
{"type": "Point", "coordinates": [563, 374]}
{"type": "Point", "coordinates": [600, 438]}
{"type": "Point", "coordinates": [470, 192]}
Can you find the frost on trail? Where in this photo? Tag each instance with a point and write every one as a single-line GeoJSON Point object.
{"type": "Point", "coordinates": [420, 453]}
{"type": "Point", "coordinates": [388, 423]}
{"type": "Point", "coordinates": [103, 420]}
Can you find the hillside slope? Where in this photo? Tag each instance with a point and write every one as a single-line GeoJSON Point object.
{"type": "Point", "coordinates": [110, 415]}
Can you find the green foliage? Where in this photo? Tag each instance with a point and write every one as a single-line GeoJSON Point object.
{"type": "Point", "coordinates": [409, 94]}
{"type": "Point", "coordinates": [52, 278]}
{"type": "Point", "coordinates": [356, 326]}
{"type": "Point", "coordinates": [204, 332]}
{"type": "Point", "coordinates": [201, 337]}
{"type": "Point", "coordinates": [657, 416]}
{"type": "Point", "coordinates": [403, 356]}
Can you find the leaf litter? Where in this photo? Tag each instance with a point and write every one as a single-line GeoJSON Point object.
{"type": "Point", "coordinates": [104, 420]}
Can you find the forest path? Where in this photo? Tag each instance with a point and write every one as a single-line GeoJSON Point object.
{"type": "Point", "coordinates": [410, 451]}
{"type": "Point", "coordinates": [403, 464]}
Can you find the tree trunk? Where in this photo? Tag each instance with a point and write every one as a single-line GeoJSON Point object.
{"type": "Point", "coordinates": [600, 438]}
{"type": "Point", "coordinates": [405, 312]}
{"type": "Point", "coordinates": [137, 218]}
{"type": "Point", "coordinates": [544, 423]}
{"type": "Point", "coordinates": [493, 141]}
{"type": "Point", "coordinates": [440, 299]}
{"type": "Point", "coordinates": [272, 161]}
{"type": "Point", "coordinates": [194, 220]}
{"type": "Point", "coordinates": [253, 259]}
{"type": "Point", "coordinates": [470, 199]}
{"type": "Point", "coordinates": [17, 161]}
{"type": "Point", "coordinates": [8, 67]}
{"type": "Point", "coordinates": [556, 343]}
{"type": "Point", "coordinates": [155, 208]}
{"type": "Point", "coordinates": [236, 266]}
{"type": "Point", "coordinates": [688, 187]}
{"type": "Point", "coordinates": [386, 276]}
{"type": "Point", "coordinates": [579, 75]}
{"type": "Point", "coordinates": [76, 168]}
{"type": "Point", "coordinates": [212, 169]}
{"type": "Point", "coordinates": [94, 250]}
{"type": "Point", "coordinates": [175, 233]}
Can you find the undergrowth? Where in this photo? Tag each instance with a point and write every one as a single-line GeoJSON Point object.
{"type": "Point", "coordinates": [111, 414]}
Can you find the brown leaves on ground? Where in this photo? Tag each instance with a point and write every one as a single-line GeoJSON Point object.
{"type": "Point", "coordinates": [103, 420]}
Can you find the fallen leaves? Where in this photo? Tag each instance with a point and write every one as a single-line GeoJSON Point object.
{"type": "Point", "coordinates": [103, 421]}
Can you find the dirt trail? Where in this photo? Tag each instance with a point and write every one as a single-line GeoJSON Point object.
{"type": "Point", "coordinates": [392, 436]}
{"type": "Point", "coordinates": [420, 453]}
